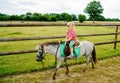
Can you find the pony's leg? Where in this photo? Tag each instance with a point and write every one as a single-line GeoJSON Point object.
{"type": "Point", "coordinates": [87, 62]}
{"type": "Point", "coordinates": [56, 69]}
{"type": "Point", "coordinates": [92, 62]}
{"type": "Point", "coordinates": [67, 71]}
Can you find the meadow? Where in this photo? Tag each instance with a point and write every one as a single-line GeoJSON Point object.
{"type": "Point", "coordinates": [24, 63]}
{"type": "Point", "coordinates": [105, 71]}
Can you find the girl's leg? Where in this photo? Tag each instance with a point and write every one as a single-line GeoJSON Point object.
{"type": "Point", "coordinates": [71, 49]}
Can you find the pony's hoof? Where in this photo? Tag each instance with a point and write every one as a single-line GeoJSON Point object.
{"type": "Point", "coordinates": [54, 78]}
{"type": "Point", "coordinates": [66, 73]}
{"type": "Point", "coordinates": [84, 70]}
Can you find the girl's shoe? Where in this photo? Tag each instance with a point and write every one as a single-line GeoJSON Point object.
{"type": "Point", "coordinates": [70, 56]}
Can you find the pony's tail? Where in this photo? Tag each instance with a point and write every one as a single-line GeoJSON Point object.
{"type": "Point", "coordinates": [94, 55]}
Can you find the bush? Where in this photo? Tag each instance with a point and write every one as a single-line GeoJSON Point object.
{"type": "Point", "coordinates": [53, 18]}
{"type": "Point", "coordinates": [81, 18]}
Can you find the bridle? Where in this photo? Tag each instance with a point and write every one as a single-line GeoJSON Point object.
{"type": "Point", "coordinates": [42, 48]}
{"type": "Point", "coordinates": [40, 57]}
{"type": "Point", "coordinates": [42, 53]}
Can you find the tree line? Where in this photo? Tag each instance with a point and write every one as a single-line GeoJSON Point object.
{"type": "Point", "coordinates": [39, 17]}
{"type": "Point", "coordinates": [93, 9]}
{"type": "Point", "coordinates": [50, 17]}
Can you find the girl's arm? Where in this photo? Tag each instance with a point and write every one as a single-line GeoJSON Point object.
{"type": "Point", "coordinates": [68, 39]}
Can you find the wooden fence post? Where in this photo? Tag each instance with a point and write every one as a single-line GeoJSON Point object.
{"type": "Point", "coordinates": [116, 34]}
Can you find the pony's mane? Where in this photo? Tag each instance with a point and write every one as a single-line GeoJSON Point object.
{"type": "Point", "coordinates": [51, 42]}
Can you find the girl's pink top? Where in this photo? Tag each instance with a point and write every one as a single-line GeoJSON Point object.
{"type": "Point", "coordinates": [72, 34]}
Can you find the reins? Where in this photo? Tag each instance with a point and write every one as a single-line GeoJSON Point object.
{"type": "Point", "coordinates": [56, 54]}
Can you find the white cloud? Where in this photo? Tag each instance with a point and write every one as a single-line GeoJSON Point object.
{"type": "Point", "coordinates": [111, 9]}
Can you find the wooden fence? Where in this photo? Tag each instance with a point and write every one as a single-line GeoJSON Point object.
{"type": "Point", "coordinates": [53, 37]}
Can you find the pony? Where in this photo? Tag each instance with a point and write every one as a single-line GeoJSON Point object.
{"type": "Point", "coordinates": [87, 49]}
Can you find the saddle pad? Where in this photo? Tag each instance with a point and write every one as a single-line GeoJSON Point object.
{"type": "Point", "coordinates": [76, 50]}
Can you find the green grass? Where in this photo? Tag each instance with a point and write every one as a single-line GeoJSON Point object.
{"type": "Point", "coordinates": [21, 63]}
{"type": "Point", "coordinates": [105, 71]}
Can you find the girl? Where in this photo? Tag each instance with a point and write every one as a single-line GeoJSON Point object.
{"type": "Point", "coordinates": [71, 36]}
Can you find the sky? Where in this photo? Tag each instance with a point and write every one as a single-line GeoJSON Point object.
{"type": "Point", "coordinates": [17, 7]}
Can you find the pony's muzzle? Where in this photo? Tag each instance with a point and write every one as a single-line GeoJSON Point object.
{"type": "Point", "coordinates": [38, 58]}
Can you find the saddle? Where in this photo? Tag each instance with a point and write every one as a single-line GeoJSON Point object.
{"type": "Point", "coordinates": [67, 49]}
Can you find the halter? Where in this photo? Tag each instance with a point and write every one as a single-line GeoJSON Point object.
{"type": "Point", "coordinates": [42, 53]}
{"type": "Point", "coordinates": [42, 49]}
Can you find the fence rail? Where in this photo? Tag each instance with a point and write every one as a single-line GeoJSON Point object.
{"type": "Point", "coordinates": [53, 37]}
{"type": "Point", "coordinates": [31, 51]}
{"type": "Point", "coordinates": [55, 24]}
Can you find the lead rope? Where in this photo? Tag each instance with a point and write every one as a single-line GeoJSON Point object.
{"type": "Point", "coordinates": [56, 54]}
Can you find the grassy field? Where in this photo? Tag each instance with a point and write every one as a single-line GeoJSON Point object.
{"type": "Point", "coordinates": [105, 71]}
{"type": "Point", "coordinates": [23, 63]}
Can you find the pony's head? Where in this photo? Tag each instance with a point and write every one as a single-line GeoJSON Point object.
{"type": "Point", "coordinates": [44, 48]}
{"type": "Point", "coordinates": [40, 53]}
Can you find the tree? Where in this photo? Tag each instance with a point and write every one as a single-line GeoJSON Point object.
{"type": "Point", "coordinates": [4, 17]}
{"type": "Point", "coordinates": [15, 17]}
{"type": "Point", "coordinates": [48, 16]}
{"type": "Point", "coordinates": [74, 17]}
{"type": "Point", "coordinates": [28, 16]}
{"type": "Point", "coordinates": [101, 18]}
{"type": "Point", "coordinates": [94, 9]}
{"type": "Point", "coordinates": [58, 17]}
{"type": "Point", "coordinates": [81, 18]}
{"type": "Point", "coordinates": [36, 16]}
{"type": "Point", "coordinates": [66, 17]}
{"type": "Point", "coordinates": [53, 18]}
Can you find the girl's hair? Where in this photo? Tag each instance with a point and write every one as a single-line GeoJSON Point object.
{"type": "Point", "coordinates": [71, 24]}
